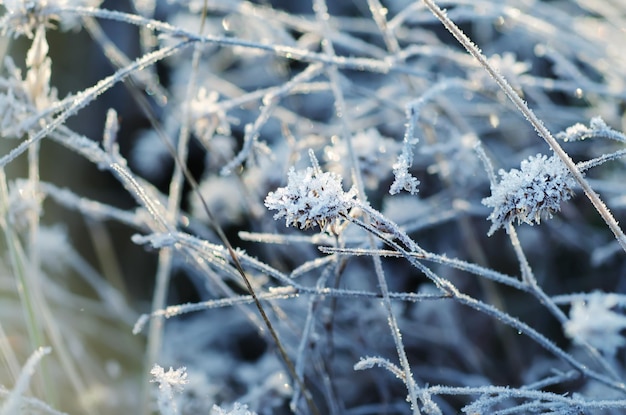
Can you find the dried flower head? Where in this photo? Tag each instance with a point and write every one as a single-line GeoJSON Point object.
{"type": "Point", "coordinates": [531, 193]}
{"type": "Point", "coordinates": [311, 197]}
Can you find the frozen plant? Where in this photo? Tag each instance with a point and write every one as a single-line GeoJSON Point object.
{"type": "Point", "coordinates": [409, 284]}
{"type": "Point", "coordinates": [312, 197]}
{"type": "Point", "coordinates": [527, 195]}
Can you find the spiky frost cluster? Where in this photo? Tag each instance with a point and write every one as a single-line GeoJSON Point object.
{"type": "Point", "coordinates": [170, 382]}
{"type": "Point", "coordinates": [531, 193]}
{"type": "Point", "coordinates": [594, 321]}
{"type": "Point", "coordinates": [311, 197]}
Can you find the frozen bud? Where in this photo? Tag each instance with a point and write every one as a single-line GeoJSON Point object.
{"type": "Point", "coordinates": [311, 197]}
{"type": "Point", "coordinates": [531, 193]}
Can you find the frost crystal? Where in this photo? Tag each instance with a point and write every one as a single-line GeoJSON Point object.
{"type": "Point", "coordinates": [172, 379]}
{"type": "Point", "coordinates": [170, 382]}
{"type": "Point", "coordinates": [597, 128]}
{"type": "Point", "coordinates": [594, 322]}
{"type": "Point", "coordinates": [403, 179]}
{"type": "Point", "coordinates": [531, 193]}
{"type": "Point", "coordinates": [311, 197]}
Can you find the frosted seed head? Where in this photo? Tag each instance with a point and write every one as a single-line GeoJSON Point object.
{"type": "Point", "coordinates": [311, 197]}
{"type": "Point", "coordinates": [531, 193]}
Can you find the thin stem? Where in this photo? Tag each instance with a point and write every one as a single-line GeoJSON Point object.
{"type": "Point", "coordinates": [321, 11]}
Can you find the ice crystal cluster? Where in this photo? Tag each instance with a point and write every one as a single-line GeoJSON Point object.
{"type": "Point", "coordinates": [532, 193]}
{"type": "Point", "coordinates": [311, 197]}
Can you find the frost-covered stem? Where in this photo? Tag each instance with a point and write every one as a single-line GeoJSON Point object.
{"type": "Point", "coordinates": [270, 102]}
{"type": "Point", "coordinates": [391, 227]}
{"type": "Point", "coordinates": [19, 267]}
{"type": "Point", "coordinates": [290, 52]}
{"type": "Point", "coordinates": [144, 79]}
{"type": "Point", "coordinates": [82, 99]}
{"type": "Point", "coordinates": [321, 11]}
{"type": "Point", "coordinates": [34, 262]}
{"type": "Point", "coordinates": [37, 312]}
{"type": "Point", "coordinates": [531, 117]}
{"type": "Point", "coordinates": [12, 403]}
{"type": "Point", "coordinates": [528, 276]}
{"type": "Point", "coordinates": [155, 332]}
{"type": "Point", "coordinates": [393, 324]}
{"type": "Point", "coordinates": [307, 333]}
{"type": "Point", "coordinates": [527, 273]}
{"type": "Point", "coordinates": [482, 155]}
{"type": "Point", "coordinates": [534, 288]}
{"type": "Point", "coordinates": [450, 290]}
{"type": "Point", "coordinates": [523, 328]}
{"type": "Point", "coordinates": [529, 279]}
{"type": "Point", "coordinates": [380, 17]}
{"type": "Point", "coordinates": [166, 256]}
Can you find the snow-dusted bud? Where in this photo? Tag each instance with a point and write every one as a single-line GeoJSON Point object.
{"type": "Point", "coordinates": [531, 193]}
{"type": "Point", "coordinates": [311, 197]}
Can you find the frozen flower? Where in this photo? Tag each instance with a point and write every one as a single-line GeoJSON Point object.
{"type": "Point", "coordinates": [531, 193]}
{"type": "Point", "coordinates": [593, 321]}
{"type": "Point", "coordinates": [311, 197]}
